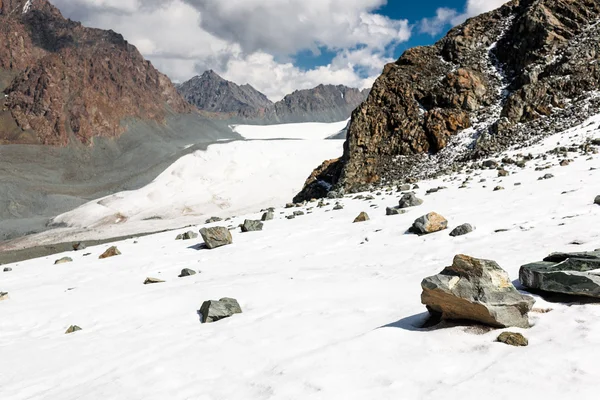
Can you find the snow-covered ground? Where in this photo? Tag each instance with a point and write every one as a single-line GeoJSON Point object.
{"type": "Point", "coordinates": [331, 309]}
{"type": "Point", "coordinates": [225, 180]}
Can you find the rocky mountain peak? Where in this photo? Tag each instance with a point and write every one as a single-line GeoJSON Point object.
{"type": "Point", "coordinates": [504, 78]}
{"type": "Point", "coordinates": [63, 81]}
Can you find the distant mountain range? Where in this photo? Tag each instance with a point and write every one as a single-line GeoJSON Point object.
{"type": "Point", "coordinates": [224, 99]}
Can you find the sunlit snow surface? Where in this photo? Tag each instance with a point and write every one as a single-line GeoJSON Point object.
{"type": "Point", "coordinates": [331, 308]}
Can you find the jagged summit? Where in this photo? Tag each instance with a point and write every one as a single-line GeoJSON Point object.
{"type": "Point", "coordinates": [324, 103]}
{"type": "Point", "coordinates": [504, 78]}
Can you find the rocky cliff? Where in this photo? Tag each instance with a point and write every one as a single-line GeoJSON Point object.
{"type": "Point", "coordinates": [227, 100]}
{"type": "Point", "coordinates": [63, 81]}
{"type": "Point", "coordinates": [504, 78]}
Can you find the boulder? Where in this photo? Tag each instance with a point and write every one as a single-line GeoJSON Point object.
{"type": "Point", "coordinates": [513, 339]}
{"type": "Point", "coordinates": [410, 200]}
{"type": "Point", "coordinates": [362, 217]}
{"type": "Point", "coordinates": [63, 260]}
{"type": "Point", "coordinates": [476, 290]}
{"type": "Point", "coordinates": [79, 246]}
{"type": "Point", "coordinates": [597, 200]}
{"type": "Point", "coordinates": [462, 230]}
{"type": "Point", "coordinates": [187, 272]}
{"type": "Point", "coordinates": [430, 223]}
{"type": "Point", "coordinates": [216, 237]}
{"type": "Point", "coordinates": [179, 237]}
{"type": "Point", "coordinates": [394, 211]}
{"type": "Point", "coordinates": [212, 310]}
{"type": "Point", "coordinates": [566, 273]}
{"type": "Point", "coordinates": [72, 329]}
{"type": "Point", "coordinates": [268, 216]}
{"type": "Point", "coordinates": [253, 226]}
{"type": "Point", "coordinates": [189, 235]}
{"type": "Point", "coordinates": [110, 252]}
{"type": "Point", "coordinates": [3, 296]}
{"type": "Point", "coordinates": [7, 269]}
{"type": "Point", "coordinates": [213, 219]}
{"type": "Point", "coordinates": [150, 281]}
{"type": "Point", "coordinates": [338, 207]}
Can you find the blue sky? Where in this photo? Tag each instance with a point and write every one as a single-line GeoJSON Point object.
{"type": "Point", "coordinates": [277, 46]}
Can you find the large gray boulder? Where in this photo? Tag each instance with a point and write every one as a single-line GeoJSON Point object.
{"type": "Point", "coordinates": [566, 273]}
{"type": "Point", "coordinates": [410, 200]}
{"type": "Point", "coordinates": [216, 236]}
{"type": "Point", "coordinates": [476, 290]}
{"type": "Point", "coordinates": [213, 310]}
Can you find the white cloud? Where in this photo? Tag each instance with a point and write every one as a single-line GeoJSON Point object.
{"type": "Point", "coordinates": [446, 17]}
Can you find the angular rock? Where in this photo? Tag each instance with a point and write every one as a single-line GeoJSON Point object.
{"type": "Point", "coordinates": [7, 269]}
{"type": "Point", "coordinates": [72, 329]}
{"type": "Point", "coordinates": [362, 217]}
{"type": "Point", "coordinates": [410, 200]}
{"type": "Point", "coordinates": [513, 339]}
{"type": "Point", "coordinates": [597, 200]}
{"type": "Point", "coordinates": [63, 260]}
{"type": "Point", "coordinates": [430, 223]}
{"type": "Point", "coordinates": [216, 237]}
{"type": "Point", "coordinates": [476, 290]}
{"type": "Point", "coordinates": [298, 213]}
{"type": "Point", "coordinates": [461, 230]}
{"type": "Point", "coordinates": [150, 281]}
{"type": "Point", "coordinates": [187, 272]}
{"type": "Point", "coordinates": [394, 211]}
{"type": "Point", "coordinates": [338, 207]}
{"type": "Point", "coordinates": [253, 226]}
{"type": "Point", "coordinates": [565, 273]}
{"type": "Point", "coordinates": [179, 237]}
{"type": "Point", "coordinates": [212, 310]}
{"type": "Point", "coordinates": [268, 216]}
{"type": "Point", "coordinates": [213, 219]}
{"type": "Point", "coordinates": [3, 296]}
{"type": "Point", "coordinates": [79, 246]}
{"type": "Point", "coordinates": [189, 235]}
{"type": "Point", "coordinates": [110, 252]}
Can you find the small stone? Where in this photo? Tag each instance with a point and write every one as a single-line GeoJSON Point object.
{"type": "Point", "coordinates": [564, 163]}
{"type": "Point", "coordinates": [79, 246]}
{"type": "Point", "coordinates": [502, 173]}
{"type": "Point", "coordinates": [189, 235]}
{"type": "Point", "coordinates": [547, 176]}
{"type": "Point", "coordinates": [268, 216]}
{"type": "Point", "coordinates": [150, 281]}
{"type": "Point", "coordinates": [110, 252]}
{"type": "Point", "coordinates": [597, 200]}
{"type": "Point", "coordinates": [394, 211]}
{"type": "Point", "coordinates": [212, 310]}
{"type": "Point", "coordinates": [72, 329]}
{"type": "Point", "coordinates": [253, 226]}
{"type": "Point", "coordinates": [430, 223]}
{"type": "Point", "coordinates": [63, 260]}
{"type": "Point", "coordinates": [187, 272]}
{"type": "Point", "coordinates": [7, 269]}
{"type": "Point", "coordinates": [404, 188]}
{"type": "Point", "coordinates": [362, 217]}
{"type": "Point", "coordinates": [179, 237]}
{"type": "Point", "coordinates": [3, 296]}
{"type": "Point", "coordinates": [513, 339]}
{"type": "Point", "coordinates": [338, 207]}
{"type": "Point", "coordinates": [216, 237]}
{"type": "Point", "coordinates": [490, 164]}
{"type": "Point", "coordinates": [410, 200]}
{"type": "Point", "coordinates": [298, 213]}
{"type": "Point", "coordinates": [290, 216]}
{"type": "Point", "coordinates": [498, 188]}
{"type": "Point", "coordinates": [213, 219]}
{"type": "Point", "coordinates": [290, 205]}
{"type": "Point", "coordinates": [461, 230]}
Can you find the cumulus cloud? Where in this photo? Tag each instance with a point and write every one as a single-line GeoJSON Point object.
{"type": "Point", "coordinates": [446, 17]}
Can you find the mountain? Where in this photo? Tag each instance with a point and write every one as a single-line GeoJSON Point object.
{"type": "Point", "coordinates": [324, 103]}
{"type": "Point", "coordinates": [505, 78]}
{"type": "Point", "coordinates": [209, 92]}
{"type": "Point", "coordinates": [62, 80]}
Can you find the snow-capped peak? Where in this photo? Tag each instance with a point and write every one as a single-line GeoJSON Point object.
{"type": "Point", "coordinates": [27, 6]}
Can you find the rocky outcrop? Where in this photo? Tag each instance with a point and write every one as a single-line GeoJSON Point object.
{"type": "Point", "coordinates": [227, 100]}
{"type": "Point", "coordinates": [476, 290]}
{"type": "Point", "coordinates": [71, 82]}
{"type": "Point", "coordinates": [523, 71]}
{"type": "Point", "coordinates": [565, 273]}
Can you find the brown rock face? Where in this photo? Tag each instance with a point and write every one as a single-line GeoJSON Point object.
{"type": "Point", "coordinates": [70, 81]}
{"type": "Point", "coordinates": [521, 71]}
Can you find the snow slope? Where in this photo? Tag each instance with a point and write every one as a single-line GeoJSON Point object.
{"type": "Point", "coordinates": [224, 180]}
{"type": "Point", "coordinates": [331, 309]}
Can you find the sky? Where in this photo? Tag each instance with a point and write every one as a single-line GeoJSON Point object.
{"type": "Point", "coordinates": [277, 46]}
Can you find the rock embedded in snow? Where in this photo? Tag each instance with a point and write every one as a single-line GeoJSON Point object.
{"type": "Point", "coordinates": [268, 216]}
{"type": "Point", "coordinates": [394, 211]}
{"type": "Point", "coordinates": [502, 173]}
{"type": "Point", "coordinates": [597, 200]}
{"type": "Point", "coordinates": [490, 164]}
{"type": "Point", "coordinates": [513, 339]}
{"type": "Point", "coordinates": [410, 200]}
{"type": "Point", "coordinates": [187, 272]}
{"type": "Point", "coordinates": [213, 219]}
{"type": "Point", "coordinates": [430, 223]}
{"type": "Point", "coordinates": [63, 260]}
{"type": "Point", "coordinates": [7, 269]}
{"type": "Point", "coordinates": [189, 235]}
{"type": "Point", "coordinates": [362, 217]}
{"type": "Point", "coordinates": [79, 246]}
{"type": "Point", "coordinates": [462, 230]}
{"type": "Point", "coordinates": [72, 329]}
{"type": "Point", "coordinates": [253, 226]}
{"type": "Point", "coordinates": [150, 281]}
{"type": "Point", "coordinates": [212, 310]}
{"type": "Point", "coordinates": [476, 290]}
{"type": "Point", "coordinates": [216, 236]}
{"type": "Point", "coordinates": [498, 188]}
{"type": "Point", "coordinates": [546, 177]}
{"type": "Point", "coordinates": [566, 273]}
{"type": "Point", "coordinates": [338, 207]}
{"type": "Point", "coordinates": [110, 252]}
{"type": "Point", "coordinates": [3, 296]}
